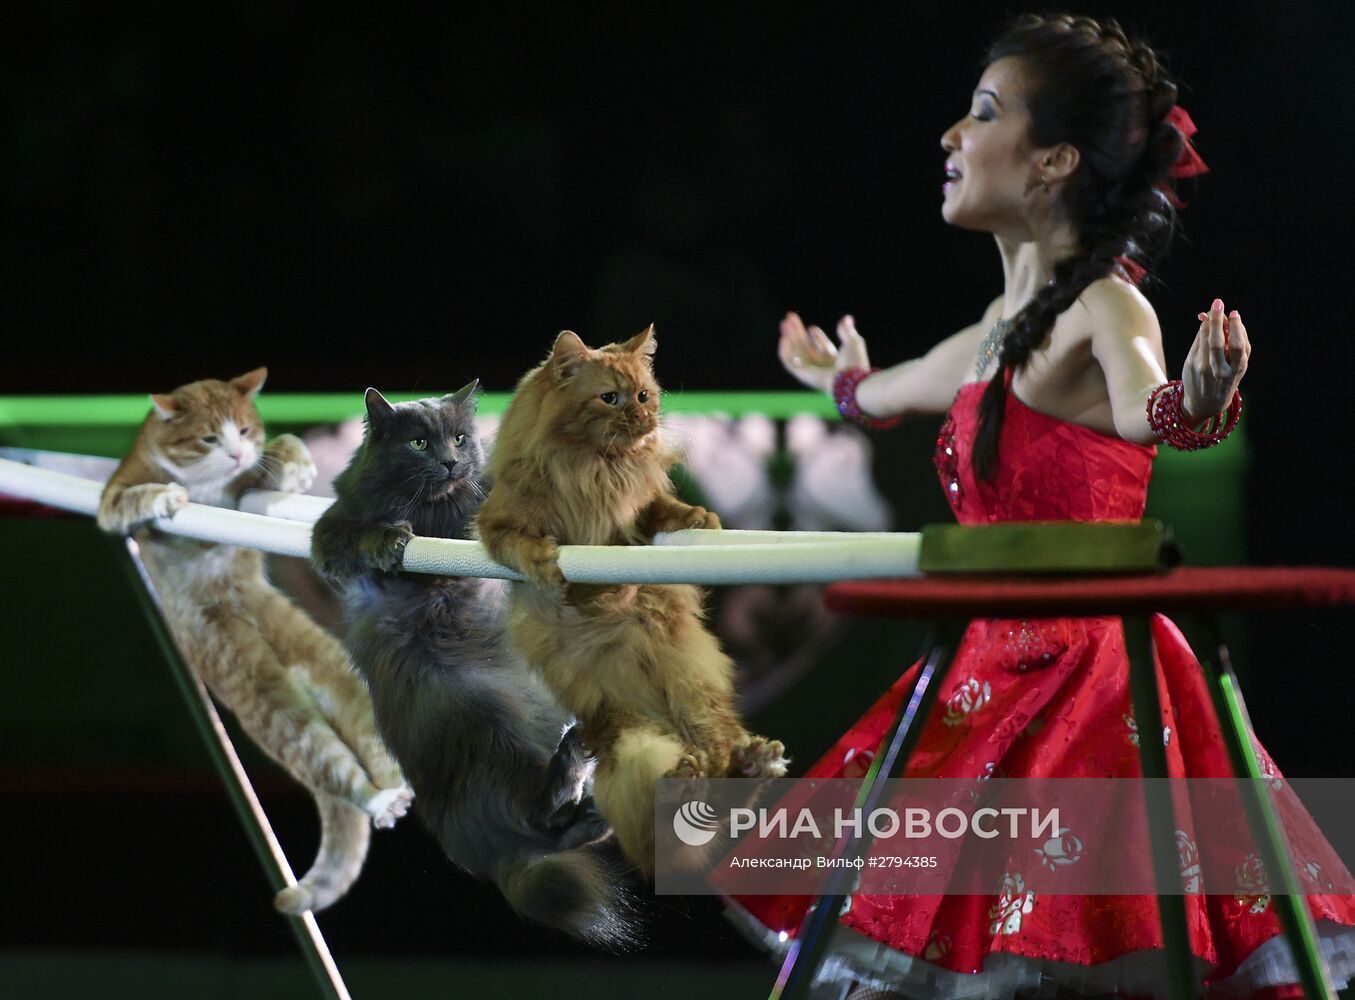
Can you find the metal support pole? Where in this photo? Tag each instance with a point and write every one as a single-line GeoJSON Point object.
{"type": "Point", "coordinates": [1171, 904]}
{"type": "Point", "coordinates": [241, 792]}
{"type": "Point", "coordinates": [808, 949]}
{"type": "Point", "coordinates": [1290, 901]}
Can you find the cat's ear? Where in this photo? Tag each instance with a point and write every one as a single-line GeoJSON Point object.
{"type": "Point", "coordinates": [568, 352]}
{"type": "Point", "coordinates": [379, 409]}
{"type": "Point", "coordinates": [467, 396]}
{"type": "Point", "coordinates": [249, 384]}
{"type": "Point", "coordinates": [645, 342]}
{"type": "Point", "coordinates": [165, 406]}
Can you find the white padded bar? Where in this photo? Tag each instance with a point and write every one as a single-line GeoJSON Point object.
{"type": "Point", "coordinates": [700, 557]}
{"type": "Point", "coordinates": [289, 506]}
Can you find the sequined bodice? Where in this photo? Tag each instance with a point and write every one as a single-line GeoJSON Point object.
{"type": "Point", "coordinates": [1048, 469]}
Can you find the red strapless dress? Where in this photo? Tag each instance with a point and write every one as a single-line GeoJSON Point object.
{"type": "Point", "coordinates": [1047, 698]}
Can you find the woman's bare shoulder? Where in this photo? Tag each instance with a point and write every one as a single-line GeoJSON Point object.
{"type": "Point", "coordinates": [1109, 304]}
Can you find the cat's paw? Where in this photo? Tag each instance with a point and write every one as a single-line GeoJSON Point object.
{"type": "Point", "coordinates": [389, 805]}
{"type": "Point", "coordinates": [758, 758]}
{"type": "Point", "coordinates": [688, 767]}
{"type": "Point", "coordinates": [294, 477]}
{"type": "Point", "coordinates": [391, 543]}
{"type": "Point", "coordinates": [699, 517]}
{"type": "Point", "coordinates": [384, 548]}
{"type": "Point", "coordinates": [166, 501]}
{"type": "Point", "coordinates": [289, 464]}
{"type": "Point", "coordinates": [540, 563]}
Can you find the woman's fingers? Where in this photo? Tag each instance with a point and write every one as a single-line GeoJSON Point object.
{"type": "Point", "coordinates": [793, 338]}
{"type": "Point", "coordinates": [1218, 343]}
{"type": "Point", "coordinates": [805, 352]}
{"type": "Point", "coordinates": [853, 353]}
{"type": "Point", "coordinates": [1239, 347]}
{"type": "Point", "coordinates": [1216, 362]}
{"type": "Point", "coordinates": [819, 342]}
{"type": "Point", "coordinates": [792, 334]}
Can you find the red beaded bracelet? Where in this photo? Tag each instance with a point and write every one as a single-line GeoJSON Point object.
{"type": "Point", "coordinates": [1167, 422]}
{"type": "Point", "coordinates": [844, 394]}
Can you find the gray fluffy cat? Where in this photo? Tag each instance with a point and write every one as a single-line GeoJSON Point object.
{"type": "Point", "coordinates": [501, 776]}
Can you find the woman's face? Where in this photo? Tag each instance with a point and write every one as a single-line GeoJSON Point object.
{"type": "Point", "coordinates": [992, 170]}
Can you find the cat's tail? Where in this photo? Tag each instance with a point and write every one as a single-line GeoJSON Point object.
{"type": "Point", "coordinates": [580, 892]}
{"type": "Point", "coordinates": [345, 831]}
{"type": "Point", "coordinates": [623, 788]}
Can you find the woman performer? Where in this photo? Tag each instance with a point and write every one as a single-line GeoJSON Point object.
{"type": "Point", "coordinates": [1054, 401]}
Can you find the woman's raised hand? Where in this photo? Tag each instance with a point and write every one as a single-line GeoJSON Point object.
{"type": "Point", "coordinates": [808, 354]}
{"type": "Point", "coordinates": [1216, 362]}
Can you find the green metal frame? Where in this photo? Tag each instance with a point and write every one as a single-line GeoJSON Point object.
{"type": "Point", "coordinates": [1295, 918]}
{"type": "Point", "coordinates": [332, 407]}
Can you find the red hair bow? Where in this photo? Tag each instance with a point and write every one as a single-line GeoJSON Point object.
{"type": "Point", "coordinates": [1189, 163]}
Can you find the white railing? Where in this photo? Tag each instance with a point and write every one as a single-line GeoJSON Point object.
{"type": "Point", "coordinates": [280, 523]}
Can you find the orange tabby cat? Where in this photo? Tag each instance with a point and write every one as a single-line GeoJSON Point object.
{"type": "Point", "coordinates": [287, 680]}
{"type": "Point", "coordinates": [579, 461]}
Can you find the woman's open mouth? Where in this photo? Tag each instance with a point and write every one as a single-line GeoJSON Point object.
{"type": "Point", "coordinates": [953, 176]}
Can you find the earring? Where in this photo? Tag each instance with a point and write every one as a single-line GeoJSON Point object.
{"type": "Point", "coordinates": [1044, 184]}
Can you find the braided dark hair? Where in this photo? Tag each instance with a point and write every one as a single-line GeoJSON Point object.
{"type": "Point", "coordinates": [1093, 88]}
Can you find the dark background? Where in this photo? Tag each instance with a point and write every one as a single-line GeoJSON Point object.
{"type": "Point", "coordinates": [415, 194]}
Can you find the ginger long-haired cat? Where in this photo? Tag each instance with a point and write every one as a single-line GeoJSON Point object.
{"type": "Point", "coordinates": [579, 460]}
{"type": "Point", "coordinates": [287, 680]}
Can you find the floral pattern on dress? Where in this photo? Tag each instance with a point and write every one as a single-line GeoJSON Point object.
{"type": "Point", "coordinates": [968, 697]}
{"type": "Point", "coordinates": [1012, 904]}
{"type": "Point", "coordinates": [856, 762]}
{"type": "Point", "coordinates": [1188, 862]}
{"type": "Point", "coordinates": [1060, 850]}
{"type": "Point", "coordinates": [1314, 873]}
{"type": "Point", "coordinates": [1253, 885]}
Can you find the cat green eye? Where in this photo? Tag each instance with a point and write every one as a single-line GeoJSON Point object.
{"type": "Point", "coordinates": [419, 444]}
{"type": "Point", "coordinates": [458, 441]}
{"type": "Point", "coordinates": [209, 439]}
{"type": "Point", "coordinates": [609, 398]}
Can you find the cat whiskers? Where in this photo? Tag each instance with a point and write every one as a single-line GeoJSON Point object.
{"type": "Point", "coordinates": [269, 464]}
{"type": "Point", "coordinates": [409, 507]}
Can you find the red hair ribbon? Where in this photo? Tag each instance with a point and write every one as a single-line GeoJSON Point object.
{"type": "Point", "coordinates": [1189, 163]}
{"type": "Point", "coordinates": [1133, 270]}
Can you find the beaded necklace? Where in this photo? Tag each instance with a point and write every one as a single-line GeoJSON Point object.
{"type": "Point", "coordinates": [991, 345]}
